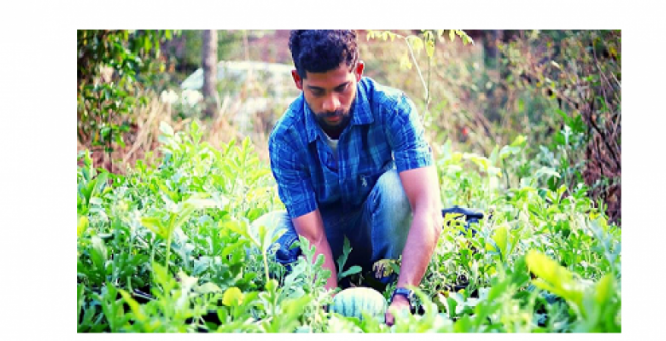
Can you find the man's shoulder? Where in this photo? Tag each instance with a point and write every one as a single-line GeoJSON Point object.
{"type": "Point", "coordinates": [378, 93]}
{"type": "Point", "coordinates": [293, 120]}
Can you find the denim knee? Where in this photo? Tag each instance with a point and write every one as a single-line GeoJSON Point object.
{"type": "Point", "coordinates": [389, 216]}
{"type": "Point", "coordinates": [389, 193]}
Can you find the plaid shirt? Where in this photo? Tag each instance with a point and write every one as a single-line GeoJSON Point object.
{"type": "Point", "coordinates": [385, 131]}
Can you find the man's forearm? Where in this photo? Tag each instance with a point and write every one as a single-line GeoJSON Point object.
{"type": "Point", "coordinates": [322, 247]}
{"type": "Point", "coordinates": [419, 248]}
{"type": "Point", "coordinates": [311, 227]}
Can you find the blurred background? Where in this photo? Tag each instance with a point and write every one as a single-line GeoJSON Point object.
{"type": "Point", "coordinates": [476, 90]}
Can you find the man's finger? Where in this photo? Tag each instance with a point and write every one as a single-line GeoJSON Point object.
{"type": "Point", "coordinates": [388, 318]}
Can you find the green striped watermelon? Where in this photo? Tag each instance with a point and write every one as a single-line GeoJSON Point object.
{"type": "Point", "coordinates": [352, 301]}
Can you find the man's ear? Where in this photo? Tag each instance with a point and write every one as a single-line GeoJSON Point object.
{"type": "Point", "coordinates": [359, 70]}
{"type": "Point", "coordinates": [297, 79]}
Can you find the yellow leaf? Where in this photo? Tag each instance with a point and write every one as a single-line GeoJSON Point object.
{"type": "Point", "coordinates": [232, 297]}
{"type": "Point", "coordinates": [83, 224]}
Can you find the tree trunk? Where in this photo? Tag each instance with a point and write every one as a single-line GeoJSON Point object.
{"type": "Point", "coordinates": [492, 62]}
{"type": "Point", "coordinates": [209, 58]}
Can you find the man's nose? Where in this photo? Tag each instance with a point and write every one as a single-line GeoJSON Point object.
{"type": "Point", "coordinates": [331, 103]}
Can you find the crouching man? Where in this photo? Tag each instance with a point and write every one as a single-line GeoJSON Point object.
{"type": "Point", "coordinates": [350, 160]}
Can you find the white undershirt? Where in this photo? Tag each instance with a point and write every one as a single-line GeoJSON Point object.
{"type": "Point", "coordinates": [334, 146]}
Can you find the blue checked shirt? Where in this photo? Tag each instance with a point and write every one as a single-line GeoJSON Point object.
{"type": "Point", "coordinates": [385, 131]}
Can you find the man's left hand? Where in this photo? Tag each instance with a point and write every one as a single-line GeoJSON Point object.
{"type": "Point", "coordinates": [400, 303]}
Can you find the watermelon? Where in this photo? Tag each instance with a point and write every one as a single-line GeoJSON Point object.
{"type": "Point", "coordinates": [352, 301]}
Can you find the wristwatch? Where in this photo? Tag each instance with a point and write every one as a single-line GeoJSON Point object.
{"type": "Point", "coordinates": [406, 293]}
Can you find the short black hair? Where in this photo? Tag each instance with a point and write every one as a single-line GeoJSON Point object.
{"type": "Point", "coordinates": [322, 50]}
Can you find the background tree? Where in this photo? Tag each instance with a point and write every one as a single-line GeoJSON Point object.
{"type": "Point", "coordinates": [113, 67]}
{"type": "Point", "coordinates": [209, 61]}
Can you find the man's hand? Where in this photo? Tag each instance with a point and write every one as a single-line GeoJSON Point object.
{"type": "Point", "coordinates": [400, 303]}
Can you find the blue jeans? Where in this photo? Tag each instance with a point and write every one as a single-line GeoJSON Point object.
{"type": "Point", "coordinates": [377, 230]}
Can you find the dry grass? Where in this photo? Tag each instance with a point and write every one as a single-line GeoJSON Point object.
{"type": "Point", "coordinates": [455, 111]}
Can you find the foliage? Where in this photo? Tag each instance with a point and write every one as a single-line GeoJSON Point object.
{"type": "Point", "coordinates": [170, 248]}
{"type": "Point", "coordinates": [579, 73]}
{"type": "Point", "coordinates": [112, 66]}
{"type": "Point", "coordinates": [560, 88]}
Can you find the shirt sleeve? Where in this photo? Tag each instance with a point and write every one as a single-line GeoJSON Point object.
{"type": "Point", "coordinates": [406, 136]}
{"type": "Point", "coordinates": [292, 177]}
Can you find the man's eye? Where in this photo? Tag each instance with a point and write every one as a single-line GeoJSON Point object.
{"type": "Point", "coordinates": [317, 93]}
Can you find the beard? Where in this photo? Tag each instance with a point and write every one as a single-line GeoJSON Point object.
{"type": "Point", "coordinates": [333, 123]}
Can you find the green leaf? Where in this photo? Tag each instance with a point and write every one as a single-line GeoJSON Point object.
{"type": "Point", "coordinates": [452, 35]}
{"type": "Point", "coordinates": [555, 278]}
{"type": "Point", "coordinates": [184, 215]}
{"type": "Point", "coordinates": [451, 306]}
{"type": "Point", "coordinates": [208, 288]}
{"type": "Point", "coordinates": [605, 289]}
{"type": "Point", "coordinates": [500, 238]}
{"type": "Point", "coordinates": [519, 141]}
{"type": "Point", "coordinates": [351, 271]}
{"type": "Point", "coordinates": [234, 226]}
{"type": "Point", "coordinates": [155, 225]}
{"type": "Point", "coordinates": [547, 171]}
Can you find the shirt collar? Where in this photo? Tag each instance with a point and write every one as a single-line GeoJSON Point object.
{"type": "Point", "coordinates": [361, 114]}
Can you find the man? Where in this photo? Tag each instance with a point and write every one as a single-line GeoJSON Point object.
{"type": "Point", "coordinates": [350, 160]}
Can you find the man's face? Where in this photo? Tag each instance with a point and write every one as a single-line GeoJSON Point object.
{"type": "Point", "coordinates": [330, 95]}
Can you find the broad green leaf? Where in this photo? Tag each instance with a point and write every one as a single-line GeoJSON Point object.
{"type": "Point", "coordinates": [508, 150]}
{"type": "Point", "coordinates": [100, 182]}
{"type": "Point", "coordinates": [500, 237]}
{"type": "Point", "coordinates": [184, 215]}
{"type": "Point", "coordinates": [100, 249]}
{"type": "Point", "coordinates": [547, 171]}
{"type": "Point", "coordinates": [554, 278]}
{"type": "Point", "coordinates": [208, 288]}
{"type": "Point", "coordinates": [272, 285]}
{"type": "Point", "coordinates": [520, 139]}
{"type": "Point", "coordinates": [155, 225]}
{"type": "Point", "coordinates": [604, 289]}
{"type": "Point", "coordinates": [451, 306]}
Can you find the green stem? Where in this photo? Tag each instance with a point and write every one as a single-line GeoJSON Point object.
{"type": "Point", "coordinates": [168, 252]}
{"type": "Point", "coordinates": [266, 266]}
{"type": "Point", "coordinates": [411, 52]}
